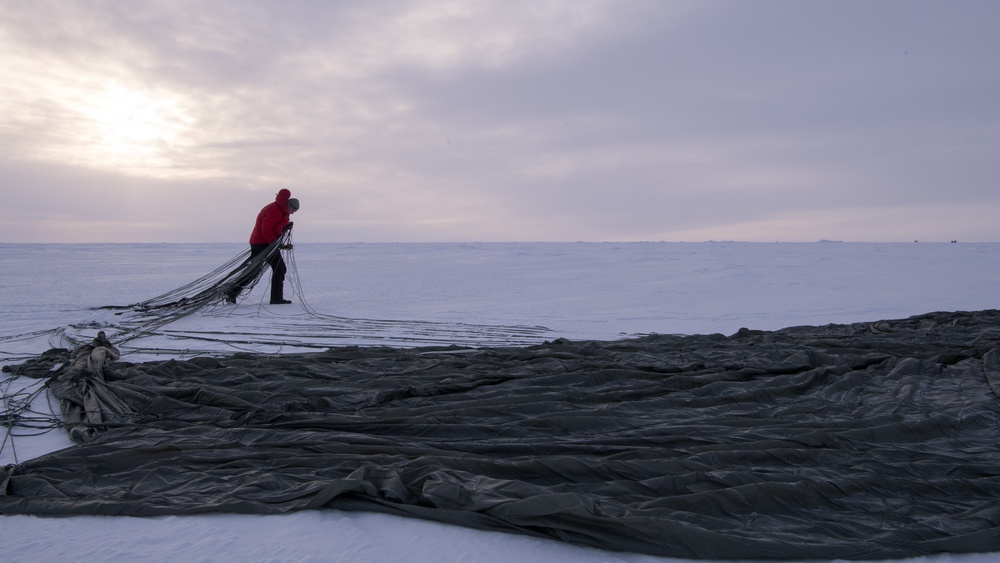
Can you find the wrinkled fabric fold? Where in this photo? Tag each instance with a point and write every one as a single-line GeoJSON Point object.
{"type": "Point", "coordinates": [861, 441]}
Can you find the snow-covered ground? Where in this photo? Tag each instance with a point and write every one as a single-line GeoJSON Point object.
{"type": "Point", "coordinates": [575, 290]}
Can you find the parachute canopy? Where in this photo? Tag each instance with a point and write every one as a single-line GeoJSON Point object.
{"type": "Point", "coordinates": [859, 441]}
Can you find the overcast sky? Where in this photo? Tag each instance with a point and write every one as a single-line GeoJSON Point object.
{"type": "Point", "coordinates": [501, 120]}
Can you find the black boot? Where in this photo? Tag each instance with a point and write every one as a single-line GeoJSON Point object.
{"type": "Point", "coordinates": [278, 297]}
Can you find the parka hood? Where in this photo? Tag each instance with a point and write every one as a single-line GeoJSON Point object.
{"type": "Point", "coordinates": [282, 199]}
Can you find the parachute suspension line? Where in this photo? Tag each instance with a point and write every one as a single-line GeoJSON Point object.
{"type": "Point", "coordinates": [53, 337]}
{"type": "Point", "coordinates": [240, 274]}
{"type": "Point", "coordinates": [430, 332]}
{"type": "Point", "coordinates": [8, 417]}
{"type": "Point", "coordinates": [201, 287]}
{"type": "Point", "coordinates": [241, 271]}
{"type": "Point", "coordinates": [295, 281]}
{"type": "Point", "coordinates": [16, 412]}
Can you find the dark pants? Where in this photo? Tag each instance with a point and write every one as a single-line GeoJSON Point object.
{"type": "Point", "coordinates": [278, 270]}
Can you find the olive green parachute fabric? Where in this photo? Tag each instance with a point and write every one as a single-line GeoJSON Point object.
{"type": "Point", "coordinates": [861, 441]}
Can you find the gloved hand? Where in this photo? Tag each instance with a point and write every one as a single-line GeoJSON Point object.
{"type": "Point", "coordinates": [287, 227]}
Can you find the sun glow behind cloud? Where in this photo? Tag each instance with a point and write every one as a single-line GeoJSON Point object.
{"type": "Point", "coordinates": [92, 117]}
{"type": "Point", "coordinates": [130, 129]}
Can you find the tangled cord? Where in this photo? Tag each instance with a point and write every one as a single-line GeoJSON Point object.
{"type": "Point", "coordinates": [16, 413]}
{"type": "Point", "coordinates": [239, 274]}
{"type": "Point", "coordinates": [330, 330]}
{"type": "Point", "coordinates": [53, 335]}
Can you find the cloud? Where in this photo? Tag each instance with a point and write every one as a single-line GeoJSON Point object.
{"type": "Point", "coordinates": [489, 120]}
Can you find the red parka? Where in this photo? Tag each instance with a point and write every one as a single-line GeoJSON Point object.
{"type": "Point", "coordinates": [271, 220]}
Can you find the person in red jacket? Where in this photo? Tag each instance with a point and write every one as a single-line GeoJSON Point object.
{"type": "Point", "coordinates": [273, 220]}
